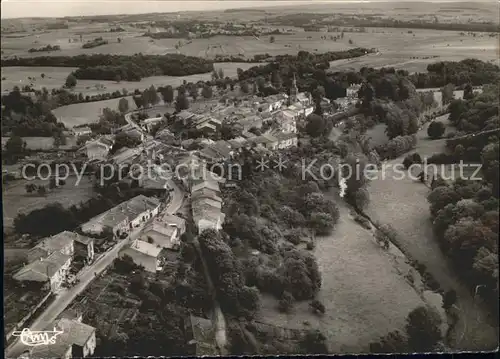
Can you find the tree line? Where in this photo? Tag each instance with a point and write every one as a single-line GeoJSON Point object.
{"type": "Point", "coordinates": [128, 68]}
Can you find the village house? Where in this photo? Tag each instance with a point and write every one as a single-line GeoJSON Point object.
{"type": "Point", "coordinates": [61, 242]}
{"type": "Point", "coordinates": [98, 149]}
{"type": "Point", "coordinates": [149, 123]}
{"type": "Point", "coordinates": [80, 131]}
{"type": "Point", "coordinates": [287, 120]}
{"type": "Point", "coordinates": [124, 217]}
{"type": "Point", "coordinates": [286, 140]}
{"type": "Point", "coordinates": [161, 234]}
{"type": "Point", "coordinates": [206, 193]}
{"type": "Point", "coordinates": [144, 254]}
{"type": "Point", "coordinates": [207, 217]}
{"type": "Point", "coordinates": [84, 247]}
{"type": "Point", "coordinates": [174, 221]}
{"type": "Point", "coordinates": [126, 155]}
{"type": "Point", "coordinates": [50, 271]}
{"type": "Point", "coordinates": [77, 340]}
{"type": "Point", "coordinates": [211, 185]}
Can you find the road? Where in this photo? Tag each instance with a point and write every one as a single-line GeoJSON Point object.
{"type": "Point", "coordinates": [177, 198]}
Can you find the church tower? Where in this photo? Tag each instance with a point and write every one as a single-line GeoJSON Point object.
{"type": "Point", "coordinates": [293, 91]}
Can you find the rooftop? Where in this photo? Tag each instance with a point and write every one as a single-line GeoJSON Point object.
{"type": "Point", "coordinates": [159, 227]}
{"type": "Point", "coordinates": [130, 210]}
{"type": "Point", "coordinates": [146, 248]}
{"type": "Point", "coordinates": [42, 269]}
{"type": "Point", "coordinates": [171, 219]}
{"type": "Point", "coordinates": [74, 332]}
{"type": "Point", "coordinates": [214, 186]}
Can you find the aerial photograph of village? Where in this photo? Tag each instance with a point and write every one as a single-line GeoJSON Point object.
{"type": "Point", "coordinates": [225, 178]}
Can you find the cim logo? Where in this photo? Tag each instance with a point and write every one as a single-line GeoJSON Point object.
{"type": "Point", "coordinates": [36, 338]}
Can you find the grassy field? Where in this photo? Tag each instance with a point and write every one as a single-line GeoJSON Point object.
{"type": "Point", "coordinates": [56, 76]}
{"type": "Point", "coordinates": [403, 204]}
{"type": "Point", "coordinates": [43, 143]}
{"type": "Point", "coordinates": [363, 290]}
{"type": "Point", "coordinates": [16, 200]}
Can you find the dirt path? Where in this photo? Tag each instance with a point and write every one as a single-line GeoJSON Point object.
{"type": "Point", "coordinates": [402, 203]}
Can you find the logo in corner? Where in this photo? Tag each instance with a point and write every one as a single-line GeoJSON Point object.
{"type": "Point", "coordinates": [36, 338]}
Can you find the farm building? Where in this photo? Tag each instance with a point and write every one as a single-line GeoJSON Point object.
{"type": "Point", "coordinates": [80, 131]}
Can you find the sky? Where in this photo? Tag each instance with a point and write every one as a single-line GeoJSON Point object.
{"type": "Point", "coordinates": [60, 8]}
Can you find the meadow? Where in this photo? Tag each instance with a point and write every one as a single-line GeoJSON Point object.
{"type": "Point", "coordinates": [362, 285]}
{"type": "Point", "coordinates": [403, 204]}
{"type": "Point", "coordinates": [16, 200]}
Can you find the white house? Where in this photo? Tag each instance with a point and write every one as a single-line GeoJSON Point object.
{"type": "Point", "coordinates": [144, 254]}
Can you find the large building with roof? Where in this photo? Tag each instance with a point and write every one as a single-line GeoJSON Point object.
{"type": "Point", "coordinates": [124, 217]}
{"type": "Point", "coordinates": [77, 340]}
{"type": "Point", "coordinates": [50, 271]}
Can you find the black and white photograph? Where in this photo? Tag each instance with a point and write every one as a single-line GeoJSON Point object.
{"type": "Point", "coordinates": [232, 178]}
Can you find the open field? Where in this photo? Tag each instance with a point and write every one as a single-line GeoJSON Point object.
{"type": "Point", "coordinates": [403, 204]}
{"type": "Point", "coordinates": [16, 200]}
{"type": "Point", "coordinates": [56, 76]}
{"type": "Point", "coordinates": [43, 143]}
{"type": "Point", "coordinates": [363, 290]}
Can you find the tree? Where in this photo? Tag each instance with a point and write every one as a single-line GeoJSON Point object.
{"type": "Point", "coordinates": [285, 304]}
{"type": "Point", "coordinates": [30, 188]}
{"type": "Point", "coordinates": [193, 91]}
{"type": "Point", "coordinates": [181, 103]}
{"type": "Point", "coordinates": [15, 145]}
{"type": "Point", "coordinates": [70, 81]}
{"type": "Point", "coordinates": [207, 92]}
{"type": "Point", "coordinates": [123, 105]}
{"type": "Point", "coordinates": [315, 125]}
{"type": "Point", "coordinates": [392, 343]}
{"type": "Point", "coordinates": [153, 95]}
{"type": "Point", "coordinates": [220, 73]}
{"type": "Point", "coordinates": [124, 140]}
{"type": "Point", "coordinates": [271, 39]}
{"type": "Point", "coordinates": [314, 342]}
{"type": "Point", "coordinates": [350, 42]}
{"type": "Point", "coordinates": [468, 92]}
{"type": "Point", "coordinates": [317, 307]}
{"type": "Point", "coordinates": [167, 94]}
{"type": "Point", "coordinates": [321, 223]}
{"type": "Point", "coordinates": [138, 101]}
{"type": "Point", "coordinates": [42, 191]}
{"type": "Point", "coordinates": [276, 80]}
{"type": "Point", "coordinates": [435, 130]}
{"type": "Point", "coordinates": [449, 298]}
{"type": "Point", "coordinates": [447, 94]}
{"type": "Point", "coordinates": [423, 329]}
{"type": "Point", "coordinates": [244, 87]}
